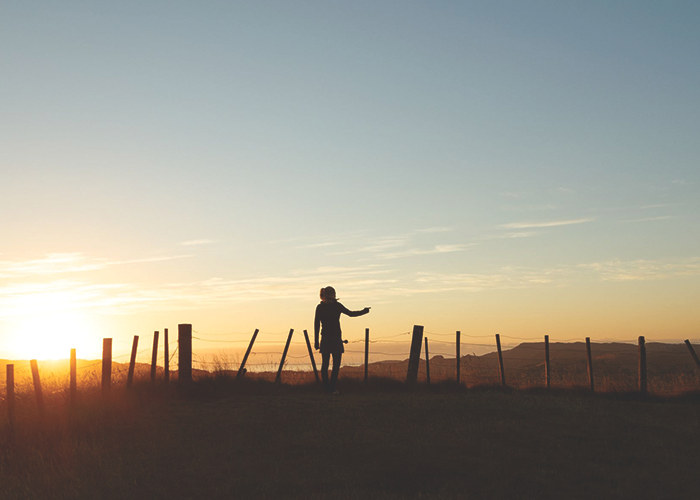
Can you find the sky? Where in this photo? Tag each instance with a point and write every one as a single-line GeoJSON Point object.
{"type": "Point", "coordinates": [521, 168]}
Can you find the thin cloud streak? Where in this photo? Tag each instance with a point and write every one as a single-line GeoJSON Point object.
{"type": "Point", "coordinates": [190, 243]}
{"type": "Point", "coordinates": [437, 249]}
{"type": "Point", "coordinates": [320, 245]}
{"type": "Point", "coordinates": [437, 229]}
{"type": "Point", "coordinates": [67, 263]}
{"type": "Point", "coordinates": [513, 235]}
{"type": "Point", "coordinates": [556, 223]}
{"type": "Point", "coordinates": [643, 270]}
{"type": "Point", "coordinates": [650, 219]}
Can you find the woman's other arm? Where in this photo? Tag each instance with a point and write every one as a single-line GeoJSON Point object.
{"type": "Point", "coordinates": [317, 328]}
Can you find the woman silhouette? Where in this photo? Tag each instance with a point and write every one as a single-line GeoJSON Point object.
{"type": "Point", "coordinates": [327, 321]}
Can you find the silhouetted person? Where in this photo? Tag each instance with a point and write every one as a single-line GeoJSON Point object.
{"type": "Point", "coordinates": [327, 321]}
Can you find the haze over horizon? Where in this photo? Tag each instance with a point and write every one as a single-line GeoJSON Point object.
{"type": "Point", "coordinates": [489, 167]}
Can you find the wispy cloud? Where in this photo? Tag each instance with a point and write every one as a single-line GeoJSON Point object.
{"type": "Point", "coordinates": [658, 205]}
{"type": "Point", "coordinates": [309, 241]}
{"type": "Point", "coordinates": [125, 298]}
{"type": "Point", "coordinates": [67, 263]}
{"type": "Point", "coordinates": [378, 245]}
{"type": "Point", "coordinates": [59, 295]}
{"type": "Point", "coordinates": [191, 243]}
{"type": "Point", "coordinates": [650, 219]}
{"type": "Point", "coordinates": [321, 245]}
{"type": "Point", "coordinates": [530, 208]}
{"type": "Point", "coordinates": [52, 263]}
{"type": "Point", "coordinates": [643, 270]}
{"type": "Point", "coordinates": [359, 281]}
{"type": "Point", "coordinates": [511, 235]}
{"type": "Point", "coordinates": [437, 229]}
{"type": "Point", "coordinates": [437, 249]}
{"type": "Point", "coordinates": [555, 223]}
{"type": "Point", "coordinates": [417, 242]}
{"type": "Point", "coordinates": [301, 284]}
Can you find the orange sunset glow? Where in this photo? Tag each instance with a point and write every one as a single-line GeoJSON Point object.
{"type": "Point", "coordinates": [461, 187]}
{"type": "Point", "coordinates": [341, 250]}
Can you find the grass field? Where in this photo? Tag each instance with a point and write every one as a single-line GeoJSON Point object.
{"type": "Point", "coordinates": [258, 440]}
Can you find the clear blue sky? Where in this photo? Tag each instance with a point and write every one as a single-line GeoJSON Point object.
{"type": "Point", "coordinates": [500, 166]}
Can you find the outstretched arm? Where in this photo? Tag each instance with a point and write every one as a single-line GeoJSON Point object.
{"type": "Point", "coordinates": [317, 328]}
{"type": "Point", "coordinates": [354, 314]}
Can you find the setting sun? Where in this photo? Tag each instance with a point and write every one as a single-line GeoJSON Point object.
{"type": "Point", "coordinates": [48, 326]}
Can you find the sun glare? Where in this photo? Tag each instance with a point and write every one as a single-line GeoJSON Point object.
{"type": "Point", "coordinates": [46, 329]}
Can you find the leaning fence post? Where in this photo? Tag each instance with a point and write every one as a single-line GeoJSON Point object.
{"type": "Point", "coordinates": [546, 360]}
{"type": "Point", "coordinates": [692, 353]}
{"type": "Point", "coordinates": [154, 357]}
{"type": "Point", "coordinates": [37, 386]}
{"type": "Point", "coordinates": [590, 363]}
{"type": "Point", "coordinates": [642, 366]}
{"type": "Point", "coordinates": [427, 362]}
{"type": "Point", "coordinates": [132, 362]}
{"type": "Point", "coordinates": [500, 360]}
{"type": "Point", "coordinates": [106, 366]}
{"type": "Point", "coordinates": [278, 378]}
{"type": "Point", "coordinates": [73, 387]}
{"type": "Point", "coordinates": [311, 356]}
{"type": "Point", "coordinates": [366, 355]}
{"type": "Point", "coordinates": [414, 359]}
{"type": "Point", "coordinates": [10, 387]}
{"type": "Point", "coordinates": [166, 357]}
{"type": "Point", "coordinates": [458, 354]}
{"type": "Point", "coordinates": [184, 341]}
{"type": "Point", "coordinates": [241, 369]}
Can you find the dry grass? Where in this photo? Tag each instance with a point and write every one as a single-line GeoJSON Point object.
{"type": "Point", "coordinates": [257, 439]}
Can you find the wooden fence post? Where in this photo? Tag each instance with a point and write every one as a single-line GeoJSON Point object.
{"type": "Point", "coordinates": [692, 353]}
{"type": "Point", "coordinates": [132, 362]}
{"type": "Point", "coordinates": [458, 355]}
{"type": "Point", "coordinates": [642, 366]}
{"type": "Point", "coordinates": [366, 355]}
{"type": "Point", "coordinates": [427, 362]}
{"type": "Point", "coordinates": [184, 342]}
{"type": "Point", "coordinates": [73, 386]}
{"type": "Point", "coordinates": [546, 360]}
{"type": "Point", "coordinates": [106, 366]}
{"type": "Point", "coordinates": [241, 369]}
{"type": "Point", "coordinates": [414, 359]}
{"type": "Point", "coordinates": [154, 357]}
{"type": "Point", "coordinates": [278, 378]}
{"type": "Point", "coordinates": [37, 387]}
{"type": "Point", "coordinates": [10, 387]}
{"type": "Point", "coordinates": [311, 356]}
{"type": "Point", "coordinates": [500, 360]}
{"type": "Point", "coordinates": [166, 357]}
{"type": "Point", "coordinates": [590, 363]}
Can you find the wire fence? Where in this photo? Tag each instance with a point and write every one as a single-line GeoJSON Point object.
{"type": "Point", "coordinates": [671, 368]}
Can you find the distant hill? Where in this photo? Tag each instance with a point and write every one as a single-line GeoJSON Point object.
{"type": "Point", "coordinates": [566, 359]}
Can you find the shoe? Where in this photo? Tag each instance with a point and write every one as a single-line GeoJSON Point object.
{"type": "Point", "coordinates": [336, 393]}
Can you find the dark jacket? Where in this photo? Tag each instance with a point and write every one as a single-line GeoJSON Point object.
{"type": "Point", "coordinates": [327, 320]}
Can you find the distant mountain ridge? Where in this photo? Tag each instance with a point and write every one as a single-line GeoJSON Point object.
{"type": "Point", "coordinates": [608, 359]}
